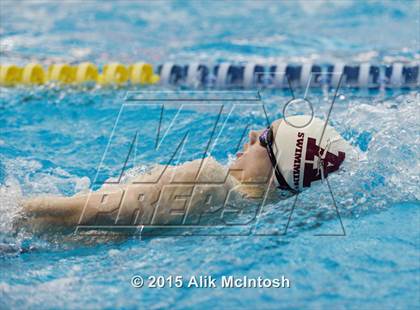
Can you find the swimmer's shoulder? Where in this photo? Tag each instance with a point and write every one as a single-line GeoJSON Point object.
{"type": "Point", "coordinates": [203, 170]}
{"type": "Point", "coordinates": [209, 171]}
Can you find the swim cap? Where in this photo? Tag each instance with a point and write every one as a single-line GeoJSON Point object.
{"type": "Point", "coordinates": [301, 158]}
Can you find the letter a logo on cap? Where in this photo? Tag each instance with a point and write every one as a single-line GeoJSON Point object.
{"type": "Point", "coordinates": [300, 158]}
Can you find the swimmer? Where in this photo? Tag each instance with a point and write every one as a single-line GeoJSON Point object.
{"type": "Point", "coordinates": [281, 158]}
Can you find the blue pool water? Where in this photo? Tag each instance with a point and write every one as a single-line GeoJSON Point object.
{"type": "Point", "coordinates": [52, 140]}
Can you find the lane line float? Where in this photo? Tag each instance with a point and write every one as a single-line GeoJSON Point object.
{"type": "Point", "coordinates": [218, 76]}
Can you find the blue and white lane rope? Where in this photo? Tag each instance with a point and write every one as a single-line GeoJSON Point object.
{"type": "Point", "coordinates": [283, 75]}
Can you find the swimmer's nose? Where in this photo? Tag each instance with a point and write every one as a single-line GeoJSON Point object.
{"type": "Point", "coordinates": [253, 137]}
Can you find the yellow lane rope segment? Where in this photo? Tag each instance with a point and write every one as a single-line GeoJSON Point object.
{"type": "Point", "coordinates": [85, 72]}
{"type": "Point", "coordinates": [10, 75]}
{"type": "Point", "coordinates": [142, 73]}
{"type": "Point", "coordinates": [33, 74]}
{"type": "Point", "coordinates": [61, 73]}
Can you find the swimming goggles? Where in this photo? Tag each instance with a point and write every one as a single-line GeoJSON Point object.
{"type": "Point", "coordinates": [266, 141]}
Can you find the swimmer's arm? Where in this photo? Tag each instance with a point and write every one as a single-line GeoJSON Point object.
{"type": "Point", "coordinates": [72, 210]}
{"type": "Point", "coordinates": [82, 208]}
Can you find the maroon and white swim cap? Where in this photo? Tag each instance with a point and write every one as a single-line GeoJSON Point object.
{"type": "Point", "coordinates": [302, 157]}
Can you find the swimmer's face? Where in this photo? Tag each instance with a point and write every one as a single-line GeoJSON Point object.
{"type": "Point", "coordinates": [253, 163]}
